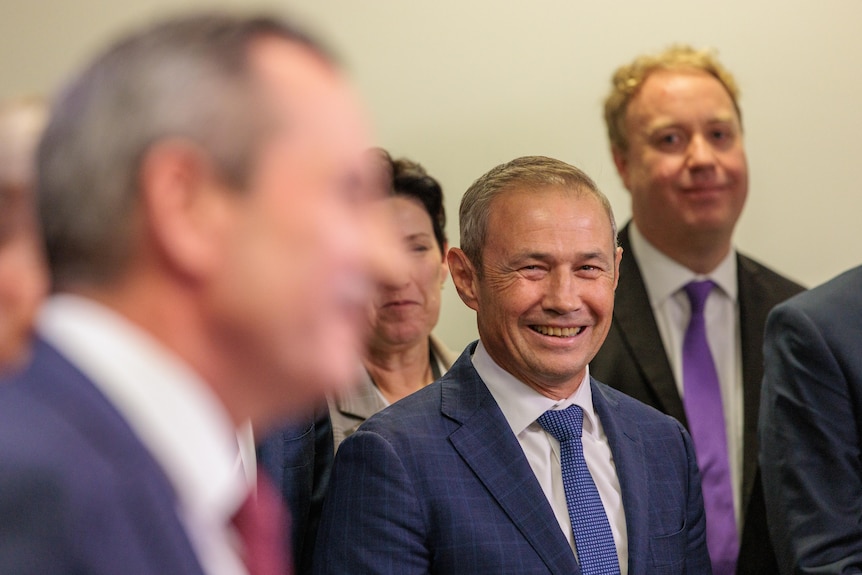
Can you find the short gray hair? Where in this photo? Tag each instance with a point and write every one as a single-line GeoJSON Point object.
{"type": "Point", "coordinates": [520, 173]}
{"type": "Point", "coordinates": [187, 77]}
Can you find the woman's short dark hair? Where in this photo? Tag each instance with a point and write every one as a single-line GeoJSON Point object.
{"type": "Point", "coordinates": [410, 179]}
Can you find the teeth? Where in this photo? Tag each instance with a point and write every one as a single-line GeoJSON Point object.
{"type": "Point", "coordinates": [558, 331]}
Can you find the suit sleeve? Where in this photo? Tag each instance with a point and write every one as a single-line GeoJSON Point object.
{"type": "Point", "coordinates": [372, 519]}
{"type": "Point", "coordinates": [809, 450]}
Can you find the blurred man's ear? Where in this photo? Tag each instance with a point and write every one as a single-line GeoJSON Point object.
{"type": "Point", "coordinates": [464, 277]}
{"type": "Point", "coordinates": [187, 211]}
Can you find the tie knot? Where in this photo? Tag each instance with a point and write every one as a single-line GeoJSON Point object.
{"type": "Point", "coordinates": [563, 424]}
{"type": "Point", "coordinates": [697, 293]}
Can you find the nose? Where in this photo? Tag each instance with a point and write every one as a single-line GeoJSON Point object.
{"type": "Point", "coordinates": [562, 294]}
{"type": "Point", "coordinates": [700, 152]}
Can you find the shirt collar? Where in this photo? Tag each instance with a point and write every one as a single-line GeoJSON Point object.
{"type": "Point", "coordinates": [172, 411]}
{"type": "Point", "coordinates": [664, 277]}
{"type": "Point", "coordinates": [521, 404]}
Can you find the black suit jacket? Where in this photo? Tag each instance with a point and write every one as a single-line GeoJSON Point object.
{"type": "Point", "coordinates": [298, 458]}
{"type": "Point", "coordinates": [633, 360]}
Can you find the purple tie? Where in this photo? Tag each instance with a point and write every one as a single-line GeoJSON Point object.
{"type": "Point", "coordinates": [702, 400]}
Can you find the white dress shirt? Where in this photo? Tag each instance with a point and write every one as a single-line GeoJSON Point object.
{"type": "Point", "coordinates": [174, 414]}
{"type": "Point", "coordinates": [522, 406]}
{"type": "Point", "coordinates": [664, 280]}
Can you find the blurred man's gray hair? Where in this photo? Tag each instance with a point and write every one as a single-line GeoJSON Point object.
{"type": "Point", "coordinates": [186, 78]}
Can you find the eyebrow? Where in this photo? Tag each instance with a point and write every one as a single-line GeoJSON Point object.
{"type": "Point", "coordinates": [419, 235]}
{"type": "Point", "coordinates": [665, 124]}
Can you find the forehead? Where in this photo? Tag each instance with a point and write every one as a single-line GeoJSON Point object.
{"type": "Point", "coordinates": [556, 213]}
{"type": "Point", "coordinates": [409, 212]}
{"type": "Point", "coordinates": [304, 93]}
{"type": "Point", "coordinates": [668, 96]}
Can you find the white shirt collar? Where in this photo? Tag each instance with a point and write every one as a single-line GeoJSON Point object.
{"type": "Point", "coordinates": [664, 277]}
{"type": "Point", "coordinates": [171, 410]}
{"type": "Point", "coordinates": [522, 405]}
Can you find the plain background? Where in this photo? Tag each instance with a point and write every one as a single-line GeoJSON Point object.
{"type": "Point", "coordinates": [461, 86]}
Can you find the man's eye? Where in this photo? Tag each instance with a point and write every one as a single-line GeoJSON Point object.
{"type": "Point", "coordinates": [722, 137]}
{"type": "Point", "coordinates": [670, 141]}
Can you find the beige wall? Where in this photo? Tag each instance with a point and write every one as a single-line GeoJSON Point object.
{"type": "Point", "coordinates": [462, 85]}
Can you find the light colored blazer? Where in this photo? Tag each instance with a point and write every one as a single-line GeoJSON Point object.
{"type": "Point", "coordinates": [349, 411]}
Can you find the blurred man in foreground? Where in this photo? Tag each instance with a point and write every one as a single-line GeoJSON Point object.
{"type": "Point", "coordinates": [211, 258]}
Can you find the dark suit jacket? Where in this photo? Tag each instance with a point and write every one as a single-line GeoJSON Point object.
{"type": "Point", "coordinates": [811, 428]}
{"type": "Point", "coordinates": [438, 483]}
{"type": "Point", "coordinates": [633, 360]}
{"type": "Point", "coordinates": [298, 458]}
{"type": "Point", "coordinates": [79, 493]}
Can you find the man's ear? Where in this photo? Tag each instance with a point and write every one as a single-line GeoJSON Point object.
{"type": "Point", "coordinates": [621, 162]}
{"type": "Point", "coordinates": [444, 266]}
{"type": "Point", "coordinates": [464, 277]}
{"type": "Point", "coordinates": [187, 211]}
{"type": "Point", "coordinates": [618, 257]}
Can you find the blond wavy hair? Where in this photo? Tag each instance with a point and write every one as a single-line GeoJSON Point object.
{"type": "Point", "coordinates": [628, 79]}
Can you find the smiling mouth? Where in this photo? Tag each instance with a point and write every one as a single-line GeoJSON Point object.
{"type": "Point", "coordinates": [557, 331]}
{"type": "Point", "coordinates": [398, 303]}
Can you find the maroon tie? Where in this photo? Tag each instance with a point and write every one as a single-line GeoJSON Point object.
{"type": "Point", "coordinates": [262, 523]}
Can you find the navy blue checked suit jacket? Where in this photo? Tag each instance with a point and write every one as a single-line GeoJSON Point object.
{"type": "Point", "coordinates": [438, 483]}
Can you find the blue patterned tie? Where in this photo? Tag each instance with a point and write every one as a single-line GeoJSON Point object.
{"type": "Point", "coordinates": [594, 541]}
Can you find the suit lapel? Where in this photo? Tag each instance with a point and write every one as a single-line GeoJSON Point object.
{"type": "Point", "coordinates": [627, 450]}
{"type": "Point", "coordinates": [754, 305]}
{"type": "Point", "coordinates": [149, 496]}
{"type": "Point", "coordinates": [362, 402]}
{"type": "Point", "coordinates": [637, 327]}
{"type": "Point", "coordinates": [486, 443]}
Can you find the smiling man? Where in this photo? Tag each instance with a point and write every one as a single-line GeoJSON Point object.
{"type": "Point", "coordinates": [675, 129]}
{"type": "Point", "coordinates": [480, 472]}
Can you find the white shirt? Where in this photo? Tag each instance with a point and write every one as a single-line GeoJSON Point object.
{"type": "Point", "coordinates": [522, 406]}
{"type": "Point", "coordinates": [664, 280]}
{"type": "Point", "coordinates": [174, 414]}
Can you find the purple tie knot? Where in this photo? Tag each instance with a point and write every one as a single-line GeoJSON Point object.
{"type": "Point", "coordinates": [697, 293]}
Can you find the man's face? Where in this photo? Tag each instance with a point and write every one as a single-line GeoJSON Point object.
{"type": "Point", "coordinates": [306, 242]}
{"type": "Point", "coordinates": [545, 300]}
{"type": "Point", "coordinates": [685, 166]}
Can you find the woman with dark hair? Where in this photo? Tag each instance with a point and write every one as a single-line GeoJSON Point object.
{"type": "Point", "coordinates": [403, 356]}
